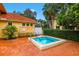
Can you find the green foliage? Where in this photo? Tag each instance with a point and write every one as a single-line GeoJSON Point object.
{"type": "Point", "coordinates": [67, 14]}
{"type": "Point", "coordinates": [65, 34]}
{"type": "Point", "coordinates": [29, 13]}
{"type": "Point", "coordinates": [50, 11]}
{"type": "Point", "coordinates": [70, 16]}
{"type": "Point", "coordinates": [9, 32]}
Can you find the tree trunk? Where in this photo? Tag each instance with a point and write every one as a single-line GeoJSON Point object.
{"type": "Point", "coordinates": [49, 24]}
{"type": "Point", "coordinates": [53, 21]}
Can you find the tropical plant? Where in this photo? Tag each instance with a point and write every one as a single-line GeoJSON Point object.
{"type": "Point", "coordinates": [69, 18]}
{"type": "Point", "coordinates": [9, 32]}
{"type": "Point", "coordinates": [67, 15]}
{"type": "Point", "coordinates": [51, 11]}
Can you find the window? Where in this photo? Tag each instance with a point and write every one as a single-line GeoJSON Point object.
{"type": "Point", "coordinates": [9, 23]}
{"type": "Point", "coordinates": [27, 24]}
{"type": "Point", "coordinates": [23, 24]}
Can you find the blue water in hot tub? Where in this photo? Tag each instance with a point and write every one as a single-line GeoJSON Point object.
{"type": "Point", "coordinates": [45, 39]}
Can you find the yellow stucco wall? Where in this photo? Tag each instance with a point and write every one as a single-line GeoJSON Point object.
{"type": "Point", "coordinates": [19, 26]}
{"type": "Point", "coordinates": [2, 25]}
{"type": "Point", "coordinates": [24, 28]}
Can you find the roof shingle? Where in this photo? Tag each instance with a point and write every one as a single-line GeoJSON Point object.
{"type": "Point", "coordinates": [17, 17]}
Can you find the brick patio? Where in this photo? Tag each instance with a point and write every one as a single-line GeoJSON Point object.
{"type": "Point", "coordinates": [23, 47]}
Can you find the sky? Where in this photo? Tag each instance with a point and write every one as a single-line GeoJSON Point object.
{"type": "Point", "coordinates": [20, 7]}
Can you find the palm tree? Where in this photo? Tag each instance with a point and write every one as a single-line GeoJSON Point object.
{"type": "Point", "coordinates": [53, 11]}
{"type": "Point", "coordinates": [50, 12]}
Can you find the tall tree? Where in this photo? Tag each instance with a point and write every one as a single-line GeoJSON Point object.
{"type": "Point", "coordinates": [30, 13]}
{"type": "Point", "coordinates": [50, 11]}
{"type": "Point", "coordinates": [70, 18]}
{"type": "Point", "coordinates": [67, 15]}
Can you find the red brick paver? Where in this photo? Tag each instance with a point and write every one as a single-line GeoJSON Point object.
{"type": "Point", "coordinates": [23, 47]}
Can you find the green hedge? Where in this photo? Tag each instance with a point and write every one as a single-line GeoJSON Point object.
{"type": "Point", "coordinates": [65, 34]}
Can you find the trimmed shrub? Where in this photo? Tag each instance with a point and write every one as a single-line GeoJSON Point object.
{"type": "Point", "coordinates": [65, 34]}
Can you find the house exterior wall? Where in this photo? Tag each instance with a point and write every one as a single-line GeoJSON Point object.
{"type": "Point", "coordinates": [2, 25]}
{"type": "Point", "coordinates": [20, 28]}
{"type": "Point", "coordinates": [25, 29]}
